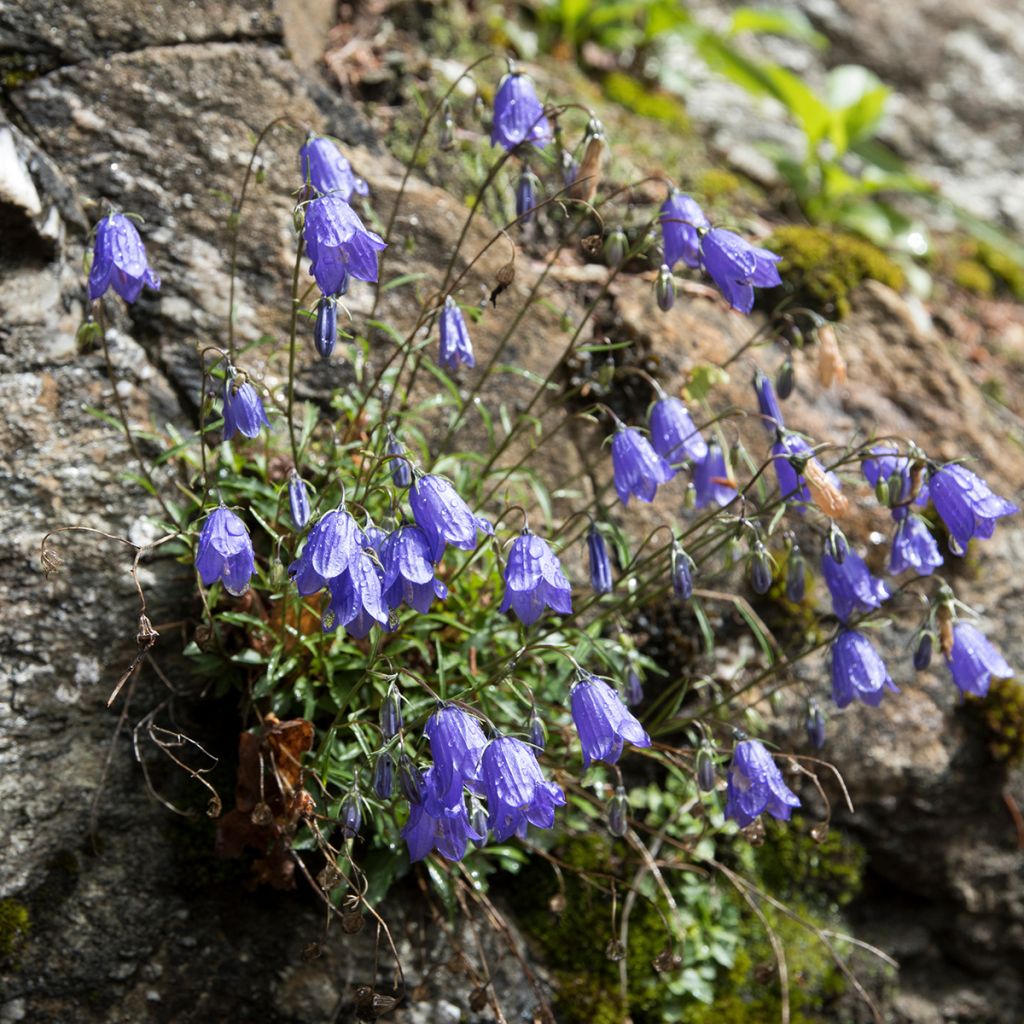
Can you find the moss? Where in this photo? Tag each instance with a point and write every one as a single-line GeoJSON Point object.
{"type": "Point", "coordinates": [716, 183]}
{"type": "Point", "coordinates": [974, 277]}
{"type": "Point", "coordinates": [641, 99]}
{"type": "Point", "coordinates": [821, 267]}
{"type": "Point", "coordinates": [1007, 270]}
{"type": "Point", "coordinates": [1002, 710]}
{"type": "Point", "coordinates": [14, 929]}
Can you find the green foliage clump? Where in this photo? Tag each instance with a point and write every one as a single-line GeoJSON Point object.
{"type": "Point", "coordinates": [974, 277]}
{"type": "Point", "coordinates": [1003, 267]}
{"type": "Point", "coordinates": [14, 929]}
{"type": "Point", "coordinates": [716, 183]}
{"type": "Point", "coordinates": [641, 99]}
{"type": "Point", "coordinates": [1003, 713]}
{"type": "Point", "coordinates": [822, 266]}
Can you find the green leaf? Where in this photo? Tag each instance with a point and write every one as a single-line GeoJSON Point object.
{"type": "Point", "coordinates": [777, 22]}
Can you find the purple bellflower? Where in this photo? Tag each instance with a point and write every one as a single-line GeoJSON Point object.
{"type": "Point", "coordinates": [737, 267]}
{"type": "Point", "coordinates": [851, 585]}
{"type": "Point", "coordinates": [526, 198]}
{"type": "Point", "coordinates": [756, 785]}
{"type": "Point", "coordinates": [455, 348]}
{"type": "Point", "coordinates": [225, 552]}
{"type": "Point", "coordinates": [884, 463]}
{"type": "Point", "coordinates": [680, 218]}
{"type": "Point", "coordinates": [330, 548]}
{"type": "Point", "coordinates": [456, 743]}
{"type": "Point", "coordinates": [768, 403]}
{"type": "Point", "coordinates": [974, 661]}
{"type": "Point", "coordinates": [449, 831]}
{"type": "Point", "coordinates": [401, 470]}
{"type": "Point", "coordinates": [357, 600]}
{"type": "Point", "coordinates": [517, 792]}
{"type": "Point", "coordinates": [600, 563]}
{"type": "Point", "coordinates": [673, 434]}
{"type": "Point", "coordinates": [913, 546]}
{"type": "Point", "coordinates": [409, 571]}
{"type": "Point", "coordinates": [298, 500]}
{"type": "Point", "coordinates": [325, 329]}
{"type": "Point", "coordinates": [325, 168]}
{"type": "Point", "coordinates": [444, 517]}
{"type": "Point", "coordinates": [338, 244]}
{"type": "Point", "coordinates": [534, 580]}
{"type": "Point", "coordinates": [639, 469]}
{"type": "Point", "coordinates": [119, 260]}
{"type": "Point", "coordinates": [711, 479]}
{"type": "Point", "coordinates": [858, 671]}
{"type": "Point", "coordinates": [967, 505]}
{"type": "Point", "coordinates": [243, 409]}
{"type": "Point", "coordinates": [518, 114]}
{"type": "Point", "coordinates": [603, 722]}
{"type": "Point", "coordinates": [791, 484]}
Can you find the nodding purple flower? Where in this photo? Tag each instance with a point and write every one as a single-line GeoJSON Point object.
{"type": "Point", "coordinates": [858, 671]}
{"type": "Point", "coordinates": [119, 260]}
{"type": "Point", "coordinates": [526, 198]}
{"type": "Point", "coordinates": [330, 548]}
{"type": "Point", "coordinates": [351, 817]}
{"type": "Point", "coordinates": [357, 600]}
{"type": "Point", "coordinates": [534, 580]}
{"type": "Point", "coordinates": [456, 743]}
{"type": "Point", "coordinates": [768, 403]}
{"type": "Point", "coordinates": [923, 652]}
{"type": "Point", "coordinates": [673, 434]}
{"type": "Point", "coordinates": [391, 713]}
{"type": "Point", "coordinates": [338, 244]}
{"type": "Point", "coordinates": [639, 469]}
{"type": "Point", "coordinates": [974, 661]}
{"type": "Point", "coordinates": [796, 576]}
{"type": "Point", "coordinates": [603, 722]}
{"type": "Point", "coordinates": [455, 348]}
{"type": "Point", "coordinates": [737, 267]}
{"type": "Point", "coordinates": [680, 218]}
{"type": "Point", "coordinates": [967, 505]}
{"type": "Point", "coordinates": [384, 776]}
{"type": "Point", "coordinates": [887, 465]}
{"type": "Point", "coordinates": [814, 725]}
{"type": "Point", "coordinates": [243, 409]}
{"type": "Point", "coordinates": [600, 563]}
{"type": "Point", "coordinates": [409, 570]}
{"type": "Point", "coordinates": [449, 831]}
{"type": "Point", "coordinates": [410, 780]}
{"type": "Point", "coordinates": [537, 736]}
{"type": "Point", "coordinates": [401, 470]}
{"type": "Point", "coordinates": [634, 688]}
{"type": "Point", "coordinates": [789, 447]}
{"type": "Point", "coordinates": [711, 479]}
{"type": "Point", "coordinates": [913, 546]}
{"type": "Point", "coordinates": [298, 500]}
{"type": "Point", "coordinates": [325, 330]}
{"type": "Point", "coordinates": [325, 168]}
{"type": "Point", "coordinates": [760, 569]}
{"type": "Point", "coordinates": [851, 585]}
{"type": "Point", "coordinates": [756, 785]}
{"type": "Point", "coordinates": [518, 114]}
{"type": "Point", "coordinates": [444, 517]}
{"type": "Point", "coordinates": [225, 552]}
{"type": "Point", "coordinates": [517, 792]}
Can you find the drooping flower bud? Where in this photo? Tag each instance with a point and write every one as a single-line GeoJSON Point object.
{"type": "Point", "coordinates": [760, 569]}
{"type": "Point", "coordinates": [384, 776]}
{"type": "Point", "coordinates": [616, 247]}
{"type": "Point", "coordinates": [525, 196]}
{"type": "Point", "coordinates": [634, 688]}
{"type": "Point", "coordinates": [785, 379]}
{"type": "Point", "coordinates": [815, 725]}
{"type": "Point", "coordinates": [298, 500]}
{"type": "Point", "coordinates": [883, 493]}
{"type": "Point", "coordinates": [923, 652]}
{"type": "Point", "coordinates": [478, 821]}
{"type": "Point", "coordinates": [391, 714]}
{"type": "Point", "coordinates": [600, 564]}
{"type": "Point", "coordinates": [665, 289]}
{"type": "Point", "coordinates": [537, 737]}
{"type": "Point", "coordinates": [944, 620]}
{"type": "Point", "coordinates": [836, 545]}
{"type": "Point", "coordinates": [410, 780]}
{"type": "Point", "coordinates": [706, 776]}
{"type": "Point", "coordinates": [796, 576]}
{"type": "Point", "coordinates": [326, 329]}
{"type": "Point", "coordinates": [682, 573]}
{"type": "Point", "coordinates": [401, 471]}
{"type": "Point", "coordinates": [618, 814]}
{"type": "Point", "coordinates": [446, 135]}
{"type": "Point", "coordinates": [351, 816]}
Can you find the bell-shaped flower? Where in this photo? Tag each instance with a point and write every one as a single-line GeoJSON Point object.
{"type": "Point", "coordinates": [325, 168]}
{"type": "Point", "coordinates": [792, 487]}
{"type": "Point", "coordinates": [409, 571]}
{"type": "Point", "coordinates": [401, 470]}
{"type": "Point", "coordinates": [534, 580]}
{"type": "Point", "coordinates": [243, 409]}
{"type": "Point", "coordinates": [225, 552]}
{"type": "Point", "coordinates": [711, 479]}
{"type": "Point", "coordinates": [680, 218]}
{"type": "Point", "coordinates": [119, 260]}
{"type": "Point", "coordinates": [851, 585]}
{"type": "Point", "coordinates": [298, 500]}
{"type": "Point", "coordinates": [330, 548]}
{"type": "Point", "coordinates": [457, 742]}
{"type": "Point", "coordinates": [338, 244]}
{"type": "Point", "coordinates": [913, 546]}
{"type": "Point", "coordinates": [455, 348]}
{"type": "Point", "coordinates": [600, 563]}
{"type": "Point", "coordinates": [768, 403]}
{"type": "Point", "coordinates": [526, 196]}
{"type": "Point", "coordinates": [518, 114]}
{"type": "Point", "coordinates": [756, 785]}
{"type": "Point", "coordinates": [673, 434]}
{"type": "Point", "coordinates": [357, 601]}
{"type": "Point", "coordinates": [639, 469]}
{"type": "Point", "coordinates": [445, 829]}
{"type": "Point", "coordinates": [737, 267]}
{"type": "Point", "coordinates": [858, 671]}
{"type": "Point", "coordinates": [517, 792]}
{"type": "Point", "coordinates": [967, 505]}
{"type": "Point", "coordinates": [884, 463]}
{"type": "Point", "coordinates": [603, 722]}
{"type": "Point", "coordinates": [444, 517]}
{"type": "Point", "coordinates": [973, 661]}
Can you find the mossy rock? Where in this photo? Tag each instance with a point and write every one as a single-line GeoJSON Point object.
{"type": "Point", "coordinates": [821, 267]}
{"type": "Point", "coordinates": [641, 99]}
{"type": "Point", "coordinates": [1002, 710]}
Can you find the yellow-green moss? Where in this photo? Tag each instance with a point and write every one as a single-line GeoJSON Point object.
{"type": "Point", "coordinates": [1008, 271]}
{"type": "Point", "coordinates": [14, 929]}
{"type": "Point", "coordinates": [822, 266]}
{"type": "Point", "coordinates": [641, 99]}
{"type": "Point", "coordinates": [1003, 713]}
{"type": "Point", "coordinates": [974, 277]}
{"type": "Point", "coordinates": [717, 183]}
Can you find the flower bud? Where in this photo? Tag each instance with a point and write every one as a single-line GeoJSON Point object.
{"type": "Point", "coordinates": [478, 819]}
{"type": "Point", "coordinates": [88, 334]}
{"type": "Point", "coordinates": [785, 379]}
{"type": "Point", "coordinates": [796, 576]}
{"type": "Point", "coordinates": [351, 816]}
{"type": "Point", "coordinates": [760, 569]}
{"type": "Point", "coordinates": [525, 198]}
{"type": "Point", "coordinates": [401, 471]}
{"type": "Point", "coordinates": [606, 374]}
{"type": "Point", "coordinates": [815, 725]}
{"type": "Point", "coordinates": [836, 545]}
{"type": "Point", "coordinates": [384, 776]}
{"type": "Point", "coordinates": [894, 487]}
{"type": "Point", "coordinates": [537, 737]}
{"type": "Point", "coordinates": [326, 330]}
{"type": "Point", "coordinates": [298, 500]}
{"type": "Point", "coordinates": [706, 776]}
{"type": "Point", "coordinates": [634, 688]}
{"type": "Point", "coordinates": [410, 780]}
{"type": "Point", "coordinates": [565, 322]}
{"type": "Point", "coordinates": [690, 497]}
{"type": "Point", "coordinates": [882, 493]}
{"type": "Point", "coordinates": [618, 814]}
{"type": "Point", "coordinates": [600, 564]}
{"type": "Point", "coordinates": [923, 652]}
{"type": "Point", "coordinates": [944, 620]}
{"type": "Point", "coordinates": [665, 289]}
{"type": "Point", "coordinates": [446, 135]}
{"type": "Point", "coordinates": [682, 575]}
{"type": "Point", "coordinates": [391, 713]}
{"type": "Point", "coordinates": [616, 247]}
